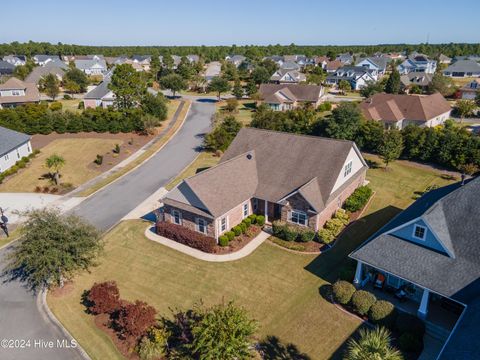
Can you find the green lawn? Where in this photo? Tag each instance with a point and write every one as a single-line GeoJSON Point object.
{"type": "Point", "coordinates": [244, 113]}
{"type": "Point", "coordinates": [282, 290]}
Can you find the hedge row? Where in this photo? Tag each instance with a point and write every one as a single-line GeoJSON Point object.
{"type": "Point", "coordinates": [333, 227]}
{"type": "Point", "coordinates": [290, 232]}
{"type": "Point", "coordinates": [224, 240]}
{"type": "Point", "coordinates": [358, 199]}
{"type": "Point", "coordinates": [186, 236]}
{"type": "Point", "coordinates": [20, 164]}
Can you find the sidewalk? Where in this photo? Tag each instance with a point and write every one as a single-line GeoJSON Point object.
{"type": "Point", "coordinates": [200, 255]}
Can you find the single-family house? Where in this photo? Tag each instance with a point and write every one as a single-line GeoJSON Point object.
{"type": "Point", "coordinates": [471, 90]}
{"type": "Point", "coordinates": [282, 76]}
{"type": "Point", "coordinates": [6, 68]}
{"type": "Point", "coordinates": [290, 65]}
{"type": "Point", "coordinates": [193, 59]}
{"type": "Point", "coordinates": [463, 68]}
{"type": "Point", "coordinates": [15, 60]}
{"type": "Point", "coordinates": [321, 61]}
{"type": "Point", "coordinates": [333, 66]}
{"type": "Point", "coordinates": [91, 65]}
{"type": "Point", "coordinates": [52, 67]}
{"type": "Point", "coordinates": [100, 96]}
{"type": "Point", "coordinates": [41, 60]}
{"type": "Point", "coordinates": [143, 61]}
{"type": "Point", "coordinates": [420, 79]}
{"type": "Point", "coordinates": [305, 187]}
{"type": "Point", "coordinates": [378, 63]}
{"type": "Point", "coordinates": [345, 58]}
{"type": "Point", "coordinates": [357, 76]}
{"type": "Point", "coordinates": [277, 59]}
{"type": "Point", "coordinates": [444, 59]}
{"type": "Point", "coordinates": [417, 63]}
{"type": "Point", "coordinates": [15, 92]}
{"type": "Point", "coordinates": [429, 254]}
{"type": "Point", "coordinates": [236, 60]}
{"type": "Point", "coordinates": [398, 111]}
{"type": "Point", "coordinates": [13, 146]}
{"type": "Point", "coordinates": [283, 97]}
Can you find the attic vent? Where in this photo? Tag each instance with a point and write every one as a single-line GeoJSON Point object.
{"type": "Point", "coordinates": [249, 156]}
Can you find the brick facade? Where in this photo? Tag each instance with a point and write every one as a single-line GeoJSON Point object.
{"type": "Point", "coordinates": [189, 220]}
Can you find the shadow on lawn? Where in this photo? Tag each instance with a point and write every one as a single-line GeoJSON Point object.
{"type": "Point", "coordinates": [273, 349]}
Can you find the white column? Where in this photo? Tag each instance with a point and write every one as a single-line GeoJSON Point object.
{"type": "Point", "coordinates": [266, 211]}
{"type": "Point", "coordinates": [358, 275]}
{"type": "Point", "coordinates": [423, 308]}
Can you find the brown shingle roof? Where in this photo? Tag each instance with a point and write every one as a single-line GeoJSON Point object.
{"type": "Point", "coordinates": [270, 92]}
{"type": "Point", "coordinates": [31, 92]}
{"type": "Point", "coordinates": [392, 107]}
{"type": "Point", "coordinates": [334, 65]}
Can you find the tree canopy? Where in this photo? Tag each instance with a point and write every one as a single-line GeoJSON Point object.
{"type": "Point", "coordinates": [128, 86]}
{"type": "Point", "coordinates": [173, 82]}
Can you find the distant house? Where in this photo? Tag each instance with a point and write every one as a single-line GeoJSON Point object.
{"type": "Point", "coordinates": [300, 60]}
{"type": "Point", "coordinates": [378, 63]}
{"type": "Point", "coordinates": [16, 92]}
{"type": "Point", "coordinates": [143, 61]}
{"type": "Point", "coordinates": [13, 146]}
{"type": "Point", "coordinates": [282, 76]}
{"type": "Point", "coordinates": [333, 66]}
{"type": "Point", "coordinates": [41, 60]}
{"type": "Point", "coordinates": [193, 58]}
{"type": "Point", "coordinates": [417, 63]}
{"type": "Point", "coordinates": [213, 69]}
{"type": "Point", "coordinates": [345, 58]}
{"type": "Point", "coordinates": [15, 60]}
{"type": "Point", "coordinates": [471, 90]}
{"type": "Point", "coordinates": [430, 255]}
{"type": "Point", "coordinates": [321, 61]}
{"type": "Point", "coordinates": [100, 96]}
{"type": "Point", "coordinates": [236, 60]}
{"type": "Point", "coordinates": [50, 68]}
{"type": "Point", "coordinates": [283, 97]}
{"type": "Point", "coordinates": [398, 111]}
{"type": "Point", "coordinates": [420, 79]}
{"type": "Point", "coordinates": [463, 68]}
{"type": "Point", "coordinates": [6, 68]}
{"type": "Point", "coordinates": [92, 65]}
{"type": "Point", "coordinates": [357, 76]}
{"type": "Point", "coordinates": [277, 59]}
{"type": "Point", "coordinates": [290, 65]}
{"type": "Point", "coordinates": [176, 60]}
{"type": "Point", "coordinates": [311, 181]}
{"type": "Point", "coordinates": [443, 59]}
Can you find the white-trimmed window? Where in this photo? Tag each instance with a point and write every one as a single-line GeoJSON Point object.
{"type": "Point", "coordinates": [298, 217]}
{"type": "Point", "coordinates": [419, 232]}
{"type": "Point", "coordinates": [245, 210]}
{"type": "Point", "coordinates": [176, 217]}
{"type": "Point", "coordinates": [201, 225]}
{"type": "Point", "coordinates": [348, 169]}
{"type": "Point", "coordinates": [223, 224]}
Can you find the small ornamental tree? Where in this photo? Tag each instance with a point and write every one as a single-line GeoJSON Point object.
{"type": "Point", "coordinates": [219, 85]}
{"type": "Point", "coordinates": [391, 146]}
{"type": "Point", "coordinates": [105, 298]}
{"type": "Point", "coordinates": [134, 319]}
{"type": "Point", "coordinates": [174, 83]}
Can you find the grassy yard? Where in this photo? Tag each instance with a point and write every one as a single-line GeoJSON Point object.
{"type": "Point", "coordinates": [282, 290]}
{"type": "Point", "coordinates": [78, 154]}
{"type": "Point", "coordinates": [244, 113]}
{"type": "Point", "coordinates": [70, 105]}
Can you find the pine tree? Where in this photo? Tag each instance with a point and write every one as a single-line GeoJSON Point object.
{"type": "Point", "coordinates": [393, 83]}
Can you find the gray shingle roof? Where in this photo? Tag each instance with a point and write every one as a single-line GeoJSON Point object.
{"type": "Point", "coordinates": [463, 66]}
{"type": "Point", "coordinates": [10, 140]}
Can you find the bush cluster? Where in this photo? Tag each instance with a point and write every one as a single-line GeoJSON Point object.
{"type": "Point", "coordinates": [186, 236]}
{"type": "Point", "coordinates": [358, 199]}
{"type": "Point", "coordinates": [104, 298]}
{"type": "Point", "coordinates": [362, 301]}
{"type": "Point", "coordinates": [333, 227]}
{"type": "Point", "coordinates": [20, 164]}
{"type": "Point", "coordinates": [343, 291]}
{"type": "Point", "coordinates": [238, 230]}
{"type": "Point", "coordinates": [289, 232]}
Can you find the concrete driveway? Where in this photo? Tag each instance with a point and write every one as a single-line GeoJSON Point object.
{"type": "Point", "coordinates": [20, 316]}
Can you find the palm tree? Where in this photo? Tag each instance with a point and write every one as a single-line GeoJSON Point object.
{"type": "Point", "coordinates": [55, 162]}
{"type": "Point", "coordinates": [372, 345]}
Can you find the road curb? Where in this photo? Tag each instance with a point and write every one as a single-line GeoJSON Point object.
{"type": "Point", "coordinates": [48, 314]}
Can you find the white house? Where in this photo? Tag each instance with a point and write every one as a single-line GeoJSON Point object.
{"type": "Point", "coordinates": [13, 146]}
{"type": "Point", "coordinates": [417, 63]}
{"type": "Point", "coordinates": [357, 76]}
{"type": "Point", "coordinates": [42, 60]}
{"type": "Point", "coordinates": [92, 65]}
{"type": "Point", "coordinates": [377, 63]}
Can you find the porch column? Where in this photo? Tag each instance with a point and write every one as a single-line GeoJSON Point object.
{"type": "Point", "coordinates": [423, 308]}
{"type": "Point", "coordinates": [358, 275]}
{"type": "Point", "coordinates": [266, 211]}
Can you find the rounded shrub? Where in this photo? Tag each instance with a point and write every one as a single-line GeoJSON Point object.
{"type": "Point", "coordinates": [306, 235]}
{"type": "Point", "coordinates": [343, 291]}
{"type": "Point", "coordinates": [56, 106]}
{"type": "Point", "coordinates": [237, 230]}
{"type": "Point", "coordinates": [223, 240]}
{"type": "Point", "coordinates": [247, 221]}
{"type": "Point", "coordinates": [230, 235]}
{"type": "Point", "coordinates": [410, 342]}
{"type": "Point", "coordinates": [260, 220]}
{"type": "Point", "coordinates": [362, 301]}
{"type": "Point", "coordinates": [409, 323]}
{"type": "Point", "coordinates": [243, 226]}
{"type": "Point", "coordinates": [382, 312]}
{"type": "Point", "coordinates": [67, 97]}
{"type": "Point", "coordinates": [326, 236]}
{"type": "Point", "coordinates": [290, 233]}
{"type": "Point", "coordinates": [343, 216]}
{"type": "Point", "coordinates": [278, 228]}
{"type": "Point", "coordinates": [253, 218]}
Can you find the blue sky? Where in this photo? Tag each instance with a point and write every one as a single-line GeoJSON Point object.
{"type": "Point", "coordinates": [215, 22]}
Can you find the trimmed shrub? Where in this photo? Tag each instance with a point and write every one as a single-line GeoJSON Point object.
{"type": "Point", "coordinates": [186, 236]}
{"type": "Point", "coordinates": [334, 225]}
{"type": "Point", "coordinates": [343, 291]}
{"type": "Point", "coordinates": [362, 301]}
{"type": "Point", "coordinates": [237, 230]}
{"type": "Point", "coordinates": [382, 312]}
{"type": "Point", "coordinates": [104, 298]}
{"type": "Point", "coordinates": [56, 106]}
{"type": "Point", "coordinates": [358, 199]}
{"type": "Point", "coordinates": [244, 227]}
{"type": "Point", "coordinates": [223, 240]}
{"type": "Point", "coordinates": [260, 220]}
{"type": "Point", "coordinates": [326, 236]}
{"type": "Point", "coordinates": [306, 235]}
{"type": "Point", "coordinates": [247, 221]}
{"type": "Point", "coordinates": [409, 323]}
{"type": "Point", "coordinates": [410, 342]}
{"type": "Point", "coordinates": [290, 233]}
{"type": "Point", "coordinates": [253, 218]}
{"type": "Point", "coordinates": [230, 235]}
{"type": "Point", "coordinates": [67, 97]}
{"type": "Point", "coordinates": [342, 216]}
{"type": "Point", "coordinates": [98, 160]}
{"type": "Point", "coordinates": [278, 228]}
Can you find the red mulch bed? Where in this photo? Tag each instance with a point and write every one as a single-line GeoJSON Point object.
{"type": "Point", "coordinates": [239, 241]}
{"type": "Point", "coordinates": [102, 321]}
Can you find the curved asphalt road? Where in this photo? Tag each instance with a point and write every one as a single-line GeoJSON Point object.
{"type": "Point", "coordinates": [20, 317]}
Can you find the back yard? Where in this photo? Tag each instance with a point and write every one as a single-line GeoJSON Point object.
{"type": "Point", "coordinates": [282, 290]}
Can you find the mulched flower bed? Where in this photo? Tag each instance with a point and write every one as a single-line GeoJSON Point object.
{"type": "Point", "coordinates": [239, 241]}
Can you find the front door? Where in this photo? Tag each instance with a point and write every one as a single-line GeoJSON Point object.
{"type": "Point", "coordinates": [277, 211]}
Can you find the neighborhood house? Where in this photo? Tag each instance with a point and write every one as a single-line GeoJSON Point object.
{"type": "Point", "coordinates": [296, 178]}
{"type": "Point", "coordinates": [13, 146]}
{"type": "Point", "coordinates": [357, 76]}
{"type": "Point", "coordinates": [16, 92]}
{"type": "Point", "coordinates": [283, 97]}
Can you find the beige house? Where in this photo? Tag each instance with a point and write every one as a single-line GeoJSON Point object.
{"type": "Point", "coordinates": [296, 178]}
{"type": "Point", "coordinates": [283, 97]}
{"type": "Point", "coordinates": [16, 92]}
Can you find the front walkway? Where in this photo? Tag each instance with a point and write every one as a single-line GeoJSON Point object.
{"type": "Point", "coordinates": [187, 250]}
